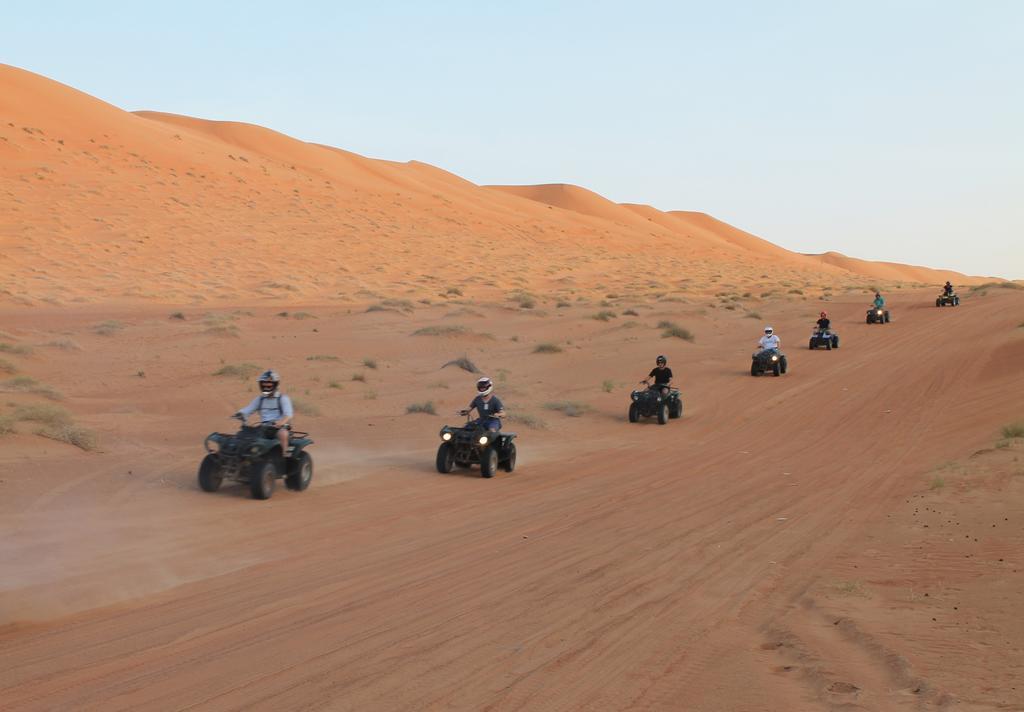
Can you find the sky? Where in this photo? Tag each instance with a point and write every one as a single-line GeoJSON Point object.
{"type": "Point", "coordinates": [884, 130]}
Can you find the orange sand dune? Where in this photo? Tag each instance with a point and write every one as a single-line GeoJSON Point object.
{"type": "Point", "coordinates": [895, 270]}
{"type": "Point", "coordinates": [102, 204]}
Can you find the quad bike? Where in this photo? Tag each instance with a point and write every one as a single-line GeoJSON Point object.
{"type": "Point", "coordinates": [650, 403]}
{"type": "Point", "coordinates": [768, 360]}
{"type": "Point", "coordinates": [825, 338]}
{"type": "Point", "coordinates": [253, 456]}
{"type": "Point", "coordinates": [947, 300]}
{"type": "Point", "coordinates": [877, 316]}
{"type": "Point", "coordinates": [474, 444]}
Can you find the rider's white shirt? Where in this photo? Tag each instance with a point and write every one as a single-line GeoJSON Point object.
{"type": "Point", "coordinates": [769, 342]}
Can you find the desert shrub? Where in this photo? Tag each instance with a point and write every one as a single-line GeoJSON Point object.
{"type": "Point", "coordinates": [547, 348]}
{"type": "Point", "coordinates": [631, 312]}
{"type": "Point", "coordinates": [452, 330]}
{"type": "Point", "coordinates": [6, 425]}
{"type": "Point", "coordinates": [222, 330]}
{"type": "Point", "coordinates": [525, 419]}
{"type": "Point", "coordinates": [302, 315]}
{"type": "Point", "coordinates": [427, 407]}
{"type": "Point", "coordinates": [177, 315]}
{"type": "Point", "coordinates": [64, 344]}
{"type": "Point", "coordinates": [608, 385]}
{"type": "Point", "coordinates": [108, 328]}
{"type": "Point", "coordinates": [1013, 430]}
{"type": "Point", "coordinates": [321, 357]}
{"type": "Point", "coordinates": [24, 384]}
{"type": "Point", "coordinates": [303, 407]}
{"type": "Point", "coordinates": [795, 291]}
{"type": "Point", "coordinates": [7, 366]}
{"type": "Point", "coordinates": [370, 395]}
{"type": "Point", "coordinates": [672, 330]}
{"type": "Point", "coordinates": [46, 414]}
{"type": "Point", "coordinates": [570, 408]}
{"type": "Point", "coordinates": [244, 371]}
{"type": "Point", "coordinates": [370, 363]}
{"type": "Point", "coordinates": [562, 304]}
{"type": "Point", "coordinates": [753, 315]}
{"type": "Point", "coordinates": [361, 377]}
{"type": "Point", "coordinates": [453, 291]}
{"type": "Point", "coordinates": [16, 349]}
{"type": "Point", "coordinates": [464, 363]}
{"type": "Point", "coordinates": [71, 434]}
{"type": "Point", "coordinates": [604, 315]}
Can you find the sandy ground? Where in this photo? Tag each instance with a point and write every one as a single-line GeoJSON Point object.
{"type": "Point", "coordinates": [843, 537]}
{"type": "Point", "coordinates": [846, 536]}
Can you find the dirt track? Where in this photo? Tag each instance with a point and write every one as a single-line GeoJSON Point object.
{"type": "Point", "coordinates": [620, 567]}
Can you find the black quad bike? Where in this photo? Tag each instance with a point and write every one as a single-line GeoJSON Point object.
{"type": "Point", "coordinates": [253, 456]}
{"type": "Point", "coordinates": [947, 300]}
{"type": "Point", "coordinates": [474, 444]}
{"type": "Point", "coordinates": [768, 361]}
{"type": "Point", "coordinates": [877, 316]}
{"type": "Point", "coordinates": [650, 403]}
{"type": "Point", "coordinates": [824, 338]}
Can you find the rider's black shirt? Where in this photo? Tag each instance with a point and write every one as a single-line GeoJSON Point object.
{"type": "Point", "coordinates": [823, 324]}
{"type": "Point", "coordinates": [661, 375]}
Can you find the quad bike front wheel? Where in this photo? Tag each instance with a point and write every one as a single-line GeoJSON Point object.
{"type": "Point", "coordinates": [261, 479]}
{"type": "Point", "coordinates": [754, 370]}
{"type": "Point", "coordinates": [209, 474]}
{"type": "Point", "coordinates": [634, 413]}
{"type": "Point", "coordinates": [663, 414]}
{"type": "Point", "coordinates": [301, 473]}
{"type": "Point", "coordinates": [783, 364]}
{"type": "Point", "coordinates": [510, 464]}
{"type": "Point", "coordinates": [445, 458]}
{"type": "Point", "coordinates": [489, 462]}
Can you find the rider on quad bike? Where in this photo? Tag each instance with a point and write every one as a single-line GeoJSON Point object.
{"type": "Point", "coordinates": [770, 340]}
{"type": "Point", "coordinates": [662, 376]}
{"type": "Point", "coordinates": [947, 289]}
{"type": "Point", "coordinates": [823, 322]}
{"type": "Point", "coordinates": [879, 301]}
{"type": "Point", "coordinates": [275, 409]}
{"type": "Point", "coordinates": [487, 405]}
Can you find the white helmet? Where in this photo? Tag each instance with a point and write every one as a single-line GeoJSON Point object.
{"type": "Point", "coordinates": [769, 330]}
{"type": "Point", "coordinates": [269, 382]}
{"type": "Point", "coordinates": [485, 386]}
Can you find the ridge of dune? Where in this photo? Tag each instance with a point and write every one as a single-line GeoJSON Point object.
{"type": "Point", "coordinates": [108, 204]}
{"type": "Point", "coordinates": [897, 271]}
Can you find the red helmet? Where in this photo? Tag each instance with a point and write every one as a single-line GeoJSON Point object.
{"type": "Point", "coordinates": [824, 315]}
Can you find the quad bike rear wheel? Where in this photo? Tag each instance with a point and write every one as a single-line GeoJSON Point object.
{"type": "Point", "coordinates": [510, 464]}
{"type": "Point", "coordinates": [445, 458]}
{"type": "Point", "coordinates": [488, 462]}
{"type": "Point", "coordinates": [262, 474]}
{"type": "Point", "coordinates": [301, 473]}
{"type": "Point", "coordinates": [209, 474]}
{"type": "Point", "coordinates": [676, 411]}
{"type": "Point", "coordinates": [783, 364]}
{"type": "Point", "coordinates": [810, 344]}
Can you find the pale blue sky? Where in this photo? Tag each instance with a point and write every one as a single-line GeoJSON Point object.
{"type": "Point", "coordinates": [885, 130]}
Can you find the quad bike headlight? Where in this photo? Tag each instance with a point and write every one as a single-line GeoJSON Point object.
{"type": "Point", "coordinates": [446, 436]}
{"type": "Point", "coordinates": [483, 440]}
{"type": "Point", "coordinates": [254, 449]}
{"type": "Point", "coordinates": [775, 358]}
{"type": "Point", "coordinates": [879, 312]}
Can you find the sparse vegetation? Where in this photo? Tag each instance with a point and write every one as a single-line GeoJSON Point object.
{"type": "Point", "coordinates": [1013, 430]}
{"type": "Point", "coordinates": [938, 482]}
{"type": "Point", "coordinates": [547, 348]}
{"type": "Point", "coordinates": [302, 315]}
{"type": "Point", "coordinates": [16, 349]}
{"type": "Point", "coordinates": [108, 328]}
{"type": "Point", "coordinates": [24, 384]}
{"type": "Point", "coordinates": [49, 415]}
{"type": "Point", "coordinates": [630, 312]}
{"type": "Point", "coordinates": [243, 371]}
{"type": "Point", "coordinates": [464, 363]}
{"type": "Point", "coordinates": [7, 366]}
{"type": "Point", "coordinates": [570, 408]}
{"type": "Point", "coordinates": [530, 421]}
{"type": "Point", "coordinates": [321, 357]}
{"type": "Point", "coordinates": [452, 330]}
{"type": "Point", "coordinates": [850, 588]}
{"type": "Point", "coordinates": [427, 407]}
{"type": "Point", "coordinates": [562, 304]}
{"type": "Point", "coordinates": [604, 315]}
{"type": "Point", "coordinates": [64, 344]}
{"type": "Point", "coordinates": [608, 385]}
{"type": "Point", "coordinates": [177, 315]}
{"type": "Point", "coordinates": [71, 434]}
{"type": "Point", "coordinates": [453, 291]}
{"type": "Point", "coordinates": [336, 385]}
{"type": "Point", "coordinates": [361, 377]}
{"type": "Point", "coordinates": [795, 291]}
{"type": "Point", "coordinates": [370, 395]}
{"type": "Point", "coordinates": [673, 330]}
{"type": "Point", "coordinates": [370, 363]}
{"type": "Point", "coordinates": [753, 315]}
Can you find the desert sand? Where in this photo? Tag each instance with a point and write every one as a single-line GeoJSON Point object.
{"type": "Point", "coordinates": [846, 536]}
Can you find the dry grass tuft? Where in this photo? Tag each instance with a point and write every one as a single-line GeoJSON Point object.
{"type": "Point", "coordinates": [108, 328]}
{"type": "Point", "coordinates": [452, 330]}
{"type": "Point", "coordinates": [16, 349]}
{"type": "Point", "coordinates": [464, 363]}
{"type": "Point", "coordinates": [71, 434]}
{"type": "Point", "coordinates": [24, 384]}
{"type": "Point", "coordinates": [305, 408]}
{"type": "Point", "coordinates": [243, 371]}
{"type": "Point", "coordinates": [1013, 430]}
{"type": "Point", "coordinates": [571, 408]}
{"type": "Point", "coordinates": [427, 407]}
{"type": "Point", "coordinates": [547, 348]}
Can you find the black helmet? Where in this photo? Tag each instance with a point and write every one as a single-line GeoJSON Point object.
{"type": "Point", "coordinates": [661, 360]}
{"type": "Point", "coordinates": [269, 381]}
